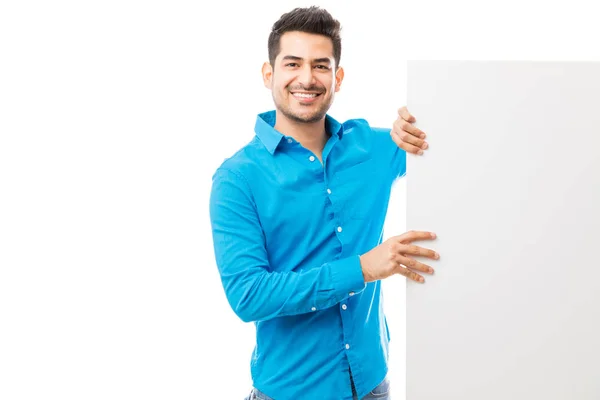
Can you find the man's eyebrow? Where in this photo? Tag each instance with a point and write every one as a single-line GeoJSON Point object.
{"type": "Point", "coordinates": [317, 60]}
{"type": "Point", "coordinates": [295, 58]}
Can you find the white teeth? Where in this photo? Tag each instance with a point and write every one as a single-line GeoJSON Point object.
{"type": "Point", "coordinates": [305, 95]}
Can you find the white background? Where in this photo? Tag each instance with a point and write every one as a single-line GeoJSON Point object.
{"type": "Point", "coordinates": [113, 117]}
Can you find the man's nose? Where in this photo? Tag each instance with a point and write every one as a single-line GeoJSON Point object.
{"type": "Point", "coordinates": [307, 77]}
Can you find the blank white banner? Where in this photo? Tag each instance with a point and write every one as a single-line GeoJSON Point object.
{"type": "Point", "coordinates": [511, 185]}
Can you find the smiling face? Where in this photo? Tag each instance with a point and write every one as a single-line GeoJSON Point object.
{"type": "Point", "coordinates": [304, 77]}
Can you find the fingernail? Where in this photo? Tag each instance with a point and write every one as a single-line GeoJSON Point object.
{"type": "Point", "coordinates": [423, 136]}
{"type": "Point", "coordinates": [437, 256]}
{"type": "Point", "coordinates": [421, 279]}
{"type": "Point", "coordinates": [433, 235]}
{"type": "Point", "coordinates": [425, 145]}
{"type": "Point", "coordinates": [420, 152]}
{"type": "Point", "coordinates": [431, 270]}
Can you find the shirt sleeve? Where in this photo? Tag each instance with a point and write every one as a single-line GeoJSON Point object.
{"type": "Point", "coordinates": [391, 151]}
{"type": "Point", "coordinates": [255, 290]}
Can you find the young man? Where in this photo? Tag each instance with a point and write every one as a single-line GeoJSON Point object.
{"type": "Point", "coordinates": [297, 217]}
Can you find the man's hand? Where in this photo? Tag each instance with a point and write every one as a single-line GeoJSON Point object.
{"type": "Point", "coordinates": [392, 257]}
{"type": "Point", "coordinates": [406, 135]}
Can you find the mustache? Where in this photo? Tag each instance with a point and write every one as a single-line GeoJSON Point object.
{"type": "Point", "coordinates": [307, 89]}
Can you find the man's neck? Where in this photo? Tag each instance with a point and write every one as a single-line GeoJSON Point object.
{"type": "Point", "coordinates": [310, 135]}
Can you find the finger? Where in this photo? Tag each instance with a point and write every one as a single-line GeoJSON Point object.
{"type": "Point", "coordinates": [403, 112]}
{"type": "Point", "coordinates": [409, 133]}
{"type": "Point", "coordinates": [413, 264]}
{"type": "Point", "coordinates": [417, 251]}
{"type": "Point", "coordinates": [410, 274]}
{"type": "Point", "coordinates": [411, 236]}
{"type": "Point", "coordinates": [403, 125]}
{"type": "Point", "coordinates": [409, 148]}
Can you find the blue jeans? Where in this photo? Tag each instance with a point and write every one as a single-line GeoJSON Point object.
{"type": "Point", "coordinates": [381, 392]}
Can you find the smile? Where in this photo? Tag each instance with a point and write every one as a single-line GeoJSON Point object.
{"type": "Point", "coordinates": [305, 97]}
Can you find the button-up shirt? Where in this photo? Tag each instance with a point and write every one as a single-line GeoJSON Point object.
{"type": "Point", "coordinates": [288, 231]}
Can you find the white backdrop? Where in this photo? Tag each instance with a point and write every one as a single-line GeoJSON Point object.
{"type": "Point", "coordinates": [113, 117]}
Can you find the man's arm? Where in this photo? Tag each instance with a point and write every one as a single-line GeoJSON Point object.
{"type": "Point", "coordinates": [390, 151]}
{"type": "Point", "coordinates": [394, 143]}
{"type": "Point", "coordinates": [254, 290]}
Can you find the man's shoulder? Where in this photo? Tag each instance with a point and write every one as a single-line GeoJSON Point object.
{"type": "Point", "coordinates": [241, 161]}
{"type": "Point", "coordinates": [361, 132]}
{"type": "Point", "coordinates": [360, 126]}
{"type": "Point", "coordinates": [363, 135]}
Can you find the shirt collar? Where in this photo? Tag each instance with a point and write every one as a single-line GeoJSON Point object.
{"type": "Point", "coordinates": [271, 138]}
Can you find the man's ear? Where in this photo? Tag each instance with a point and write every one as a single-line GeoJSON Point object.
{"type": "Point", "coordinates": [339, 77]}
{"type": "Point", "coordinates": [267, 73]}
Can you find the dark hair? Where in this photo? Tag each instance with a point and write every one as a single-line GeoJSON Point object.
{"type": "Point", "coordinates": [310, 20]}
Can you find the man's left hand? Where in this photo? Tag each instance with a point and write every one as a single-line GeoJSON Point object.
{"type": "Point", "coordinates": [406, 135]}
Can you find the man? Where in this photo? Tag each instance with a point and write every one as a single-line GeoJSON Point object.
{"type": "Point", "coordinates": [297, 217]}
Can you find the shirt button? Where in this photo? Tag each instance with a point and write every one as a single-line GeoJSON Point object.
{"type": "Point", "coordinates": [347, 346]}
{"type": "Point", "coordinates": [351, 293]}
{"type": "Point", "coordinates": [339, 229]}
{"type": "Point", "coordinates": [314, 308]}
{"type": "Point", "coordinates": [344, 306]}
{"type": "Point", "coordinates": [328, 191]}
{"type": "Point", "coordinates": [290, 140]}
{"type": "Point", "coordinates": [311, 158]}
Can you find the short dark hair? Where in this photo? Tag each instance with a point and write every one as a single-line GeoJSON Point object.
{"type": "Point", "coordinates": [310, 20]}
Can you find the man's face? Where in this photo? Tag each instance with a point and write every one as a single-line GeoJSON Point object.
{"type": "Point", "coordinates": [304, 79]}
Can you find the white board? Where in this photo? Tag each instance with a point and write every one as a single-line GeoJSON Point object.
{"type": "Point", "coordinates": [511, 185]}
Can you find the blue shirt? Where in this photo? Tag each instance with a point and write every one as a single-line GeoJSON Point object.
{"type": "Point", "coordinates": [287, 233]}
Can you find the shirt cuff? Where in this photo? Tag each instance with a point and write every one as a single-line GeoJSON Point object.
{"type": "Point", "coordinates": [347, 276]}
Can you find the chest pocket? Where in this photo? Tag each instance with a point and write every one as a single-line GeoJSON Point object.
{"type": "Point", "coordinates": [357, 188]}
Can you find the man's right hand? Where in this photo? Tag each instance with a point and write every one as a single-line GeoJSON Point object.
{"type": "Point", "coordinates": [393, 257]}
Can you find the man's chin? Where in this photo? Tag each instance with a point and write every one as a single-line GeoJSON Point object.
{"type": "Point", "coordinates": [307, 117]}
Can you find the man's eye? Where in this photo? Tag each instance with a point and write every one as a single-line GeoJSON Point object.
{"type": "Point", "coordinates": [322, 67]}
{"type": "Point", "coordinates": [291, 65]}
